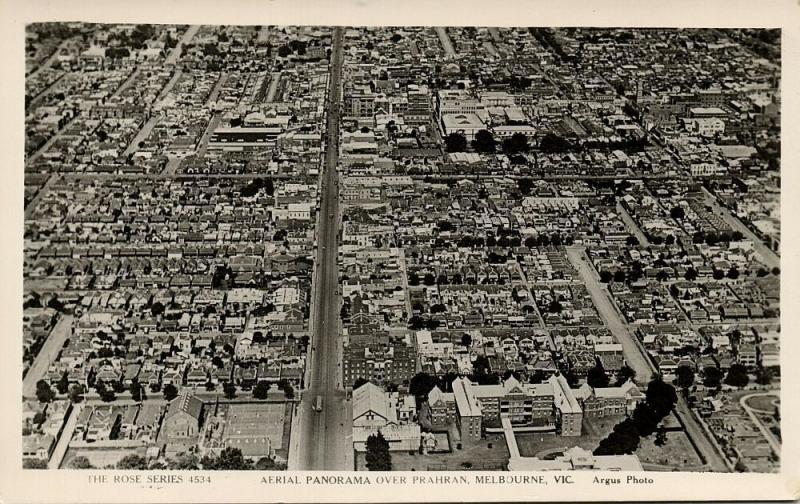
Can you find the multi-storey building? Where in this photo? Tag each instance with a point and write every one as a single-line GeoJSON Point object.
{"type": "Point", "coordinates": [359, 102]}
{"type": "Point", "coordinates": [382, 363]}
{"type": "Point", "coordinates": [599, 402]}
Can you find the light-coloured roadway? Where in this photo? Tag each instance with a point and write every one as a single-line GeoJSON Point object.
{"type": "Point", "coordinates": [323, 442]}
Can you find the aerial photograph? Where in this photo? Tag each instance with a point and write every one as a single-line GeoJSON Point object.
{"type": "Point", "coordinates": [330, 248]}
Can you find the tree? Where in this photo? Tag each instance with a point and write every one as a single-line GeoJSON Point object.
{"type": "Point", "coordinates": [624, 374]}
{"type": "Point", "coordinates": [764, 376]}
{"type": "Point", "coordinates": [737, 376]}
{"type": "Point", "coordinates": [685, 377]}
{"type": "Point", "coordinates": [606, 276]}
{"type": "Point", "coordinates": [691, 274]}
{"type": "Point", "coordinates": [481, 365]}
{"type": "Point", "coordinates": [184, 461]}
{"type": "Point", "coordinates": [106, 394]}
{"type": "Point", "coordinates": [645, 419]}
{"type": "Point", "coordinates": [421, 384]}
{"type": "Point", "coordinates": [170, 392]}
{"type": "Point", "coordinates": [455, 142]}
{"type": "Point", "coordinates": [632, 241]}
{"type": "Point", "coordinates": [554, 306]}
{"type": "Point", "coordinates": [284, 51]}
{"type": "Point", "coordinates": [597, 377]}
{"type": "Point", "coordinates": [39, 417]}
{"type": "Point", "coordinates": [554, 144]}
{"type": "Point", "coordinates": [132, 461]}
{"type": "Point", "coordinates": [261, 390]}
{"type": "Point", "coordinates": [466, 340]}
{"type": "Point", "coordinates": [229, 459]}
{"type": "Point", "coordinates": [136, 389]}
{"type": "Point", "coordinates": [81, 462]}
{"type": "Point", "coordinates": [63, 383]}
{"type": "Point", "coordinates": [265, 464]}
{"type": "Point", "coordinates": [30, 463]}
{"type": "Point", "coordinates": [733, 273]}
{"type": "Point", "coordinates": [712, 377]}
{"type": "Point", "coordinates": [229, 389]}
{"type": "Point", "coordinates": [677, 213]}
{"type": "Point", "coordinates": [484, 142]}
{"type": "Point", "coordinates": [661, 397]}
{"type": "Point", "coordinates": [43, 392]}
{"type": "Point", "coordinates": [157, 309]}
{"type": "Point", "coordinates": [661, 438]}
{"type": "Point", "coordinates": [624, 439]}
{"type": "Point", "coordinates": [516, 144]}
{"type": "Point", "coordinates": [378, 456]}
{"type": "Point", "coordinates": [75, 394]}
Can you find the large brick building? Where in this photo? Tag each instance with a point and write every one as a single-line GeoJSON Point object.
{"type": "Point", "coordinates": [379, 362]}
{"type": "Point", "coordinates": [182, 423]}
{"type": "Point", "coordinates": [551, 405]}
{"type": "Point", "coordinates": [607, 401]}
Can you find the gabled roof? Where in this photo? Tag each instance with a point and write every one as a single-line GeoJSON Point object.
{"type": "Point", "coordinates": [186, 403]}
{"type": "Point", "coordinates": [437, 395]}
{"type": "Point", "coordinates": [370, 397]}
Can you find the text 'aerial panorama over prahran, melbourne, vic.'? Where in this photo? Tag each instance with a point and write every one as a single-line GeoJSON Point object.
{"type": "Point", "coordinates": [333, 248]}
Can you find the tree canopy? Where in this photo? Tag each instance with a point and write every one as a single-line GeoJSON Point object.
{"type": "Point", "coordinates": [378, 457]}
{"type": "Point", "coordinates": [455, 142]}
{"type": "Point", "coordinates": [484, 142]}
{"type": "Point", "coordinates": [597, 377]}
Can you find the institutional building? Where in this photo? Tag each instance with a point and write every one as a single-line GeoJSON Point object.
{"type": "Point", "coordinates": [551, 405]}
{"type": "Point", "coordinates": [390, 413]}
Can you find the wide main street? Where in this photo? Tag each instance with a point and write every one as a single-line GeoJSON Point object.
{"type": "Point", "coordinates": [323, 434]}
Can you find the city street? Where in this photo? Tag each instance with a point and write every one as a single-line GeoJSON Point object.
{"type": "Point", "coordinates": [48, 352]}
{"type": "Point", "coordinates": [323, 434]}
{"type": "Point", "coordinates": [769, 257]}
{"type": "Point", "coordinates": [637, 359]}
{"type": "Point", "coordinates": [633, 355]}
{"type": "Point", "coordinates": [66, 436]}
{"type": "Point", "coordinates": [188, 35]}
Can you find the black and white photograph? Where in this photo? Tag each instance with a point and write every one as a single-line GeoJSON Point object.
{"type": "Point", "coordinates": [452, 252]}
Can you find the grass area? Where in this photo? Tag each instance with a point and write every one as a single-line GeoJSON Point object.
{"type": "Point", "coordinates": [677, 452]}
{"type": "Point", "coordinates": [594, 429]}
{"type": "Point", "coordinates": [479, 456]}
{"type": "Point", "coordinates": [100, 457]}
{"type": "Point", "coordinates": [763, 402]}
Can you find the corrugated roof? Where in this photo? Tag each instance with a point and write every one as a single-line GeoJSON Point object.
{"type": "Point", "coordinates": [466, 402]}
{"type": "Point", "coordinates": [186, 403]}
{"type": "Point", "coordinates": [370, 397]}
